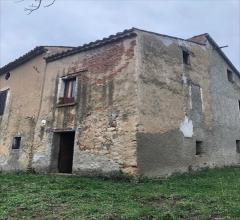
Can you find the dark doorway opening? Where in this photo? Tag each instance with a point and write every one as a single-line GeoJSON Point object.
{"type": "Point", "coordinates": [65, 156]}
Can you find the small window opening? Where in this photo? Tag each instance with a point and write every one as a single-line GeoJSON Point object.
{"type": "Point", "coordinates": [239, 105]}
{"type": "Point", "coordinates": [69, 93]}
{"type": "Point", "coordinates": [230, 76]}
{"type": "Point", "coordinates": [16, 143]}
{"type": "Point", "coordinates": [3, 97]}
{"type": "Point", "coordinates": [185, 57]}
{"type": "Point", "coordinates": [199, 147]}
{"type": "Point", "coordinates": [7, 75]}
{"type": "Point", "coordinates": [238, 146]}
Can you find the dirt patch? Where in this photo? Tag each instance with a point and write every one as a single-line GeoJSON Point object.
{"type": "Point", "coordinates": [162, 201]}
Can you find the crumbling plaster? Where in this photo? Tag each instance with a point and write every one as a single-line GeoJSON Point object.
{"type": "Point", "coordinates": [104, 116]}
{"type": "Point", "coordinates": [166, 101]}
{"type": "Point", "coordinates": [139, 109]}
{"type": "Point", "coordinates": [225, 98]}
{"type": "Point", "coordinates": [20, 112]}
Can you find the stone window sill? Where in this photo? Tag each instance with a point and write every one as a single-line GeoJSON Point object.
{"type": "Point", "coordinates": [66, 104]}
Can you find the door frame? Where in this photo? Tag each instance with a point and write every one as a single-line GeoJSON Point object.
{"type": "Point", "coordinates": [55, 148]}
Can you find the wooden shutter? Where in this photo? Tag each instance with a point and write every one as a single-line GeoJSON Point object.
{"type": "Point", "coordinates": [69, 91]}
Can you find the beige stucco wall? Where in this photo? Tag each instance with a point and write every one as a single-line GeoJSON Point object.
{"type": "Point", "coordinates": [166, 108]}
{"type": "Point", "coordinates": [21, 111]}
{"type": "Point", "coordinates": [163, 75]}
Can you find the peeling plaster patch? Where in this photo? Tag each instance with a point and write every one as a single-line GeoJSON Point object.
{"type": "Point", "coordinates": [184, 79]}
{"type": "Point", "coordinates": [37, 158]}
{"type": "Point", "coordinates": [189, 44]}
{"type": "Point", "coordinates": [190, 96]}
{"type": "Point", "coordinates": [186, 127]}
{"type": "Point", "coordinates": [43, 123]}
{"type": "Point", "coordinates": [182, 43]}
{"type": "Point", "coordinates": [201, 93]}
{"type": "Point", "coordinates": [167, 41]}
{"type": "Point", "coordinates": [3, 159]}
{"type": "Point", "coordinates": [167, 80]}
{"type": "Point", "coordinates": [91, 162]}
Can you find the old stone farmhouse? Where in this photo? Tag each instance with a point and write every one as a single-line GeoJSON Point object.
{"type": "Point", "coordinates": [136, 102]}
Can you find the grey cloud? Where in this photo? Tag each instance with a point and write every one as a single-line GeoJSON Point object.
{"type": "Point", "coordinates": [75, 22]}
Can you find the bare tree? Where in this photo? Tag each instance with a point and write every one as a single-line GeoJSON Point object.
{"type": "Point", "coordinates": [36, 4]}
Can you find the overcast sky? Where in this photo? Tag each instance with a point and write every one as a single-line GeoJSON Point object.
{"type": "Point", "coordinates": [75, 22]}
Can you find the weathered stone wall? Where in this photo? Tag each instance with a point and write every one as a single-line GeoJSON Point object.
{"type": "Point", "coordinates": [139, 109]}
{"type": "Point", "coordinates": [174, 104]}
{"type": "Point", "coordinates": [225, 98]}
{"type": "Point", "coordinates": [104, 117]}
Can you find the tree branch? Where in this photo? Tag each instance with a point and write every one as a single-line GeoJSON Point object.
{"type": "Point", "coordinates": [33, 7]}
{"type": "Point", "coordinates": [36, 6]}
{"type": "Point", "coordinates": [50, 4]}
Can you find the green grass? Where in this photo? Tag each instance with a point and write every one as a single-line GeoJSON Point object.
{"type": "Point", "coordinates": [210, 194]}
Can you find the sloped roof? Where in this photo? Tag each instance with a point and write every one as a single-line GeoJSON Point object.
{"type": "Point", "coordinates": [91, 45]}
{"type": "Point", "coordinates": [118, 36]}
{"type": "Point", "coordinates": [199, 39]}
{"type": "Point", "coordinates": [26, 57]}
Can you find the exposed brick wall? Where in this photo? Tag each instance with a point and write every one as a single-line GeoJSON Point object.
{"type": "Point", "coordinates": [105, 117]}
{"type": "Point", "coordinates": [105, 63]}
{"type": "Point", "coordinates": [104, 131]}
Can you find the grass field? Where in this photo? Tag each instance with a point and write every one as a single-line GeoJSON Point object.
{"type": "Point", "coordinates": [210, 194]}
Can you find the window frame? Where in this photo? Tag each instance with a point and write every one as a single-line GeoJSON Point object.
{"type": "Point", "coordinates": [69, 87]}
{"type": "Point", "coordinates": [3, 102]}
{"type": "Point", "coordinates": [186, 57]}
{"type": "Point", "coordinates": [199, 148]}
{"type": "Point", "coordinates": [238, 146]}
{"type": "Point", "coordinates": [16, 143]}
{"type": "Point", "coordinates": [230, 76]}
{"type": "Point", "coordinates": [7, 75]}
{"type": "Point", "coordinates": [67, 90]}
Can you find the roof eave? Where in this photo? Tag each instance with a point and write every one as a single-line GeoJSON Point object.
{"type": "Point", "coordinates": [23, 59]}
{"type": "Point", "coordinates": [92, 45]}
{"type": "Point", "coordinates": [168, 36]}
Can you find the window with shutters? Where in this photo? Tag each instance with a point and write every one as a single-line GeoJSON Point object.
{"type": "Point", "coordinates": [69, 91]}
{"type": "Point", "coordinates": [3, 97]}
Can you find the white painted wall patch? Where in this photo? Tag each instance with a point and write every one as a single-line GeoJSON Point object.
{"type": "Point", "coordinates": [186, 127]}
{"type": "Point", "coordinates": [38, 157]}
